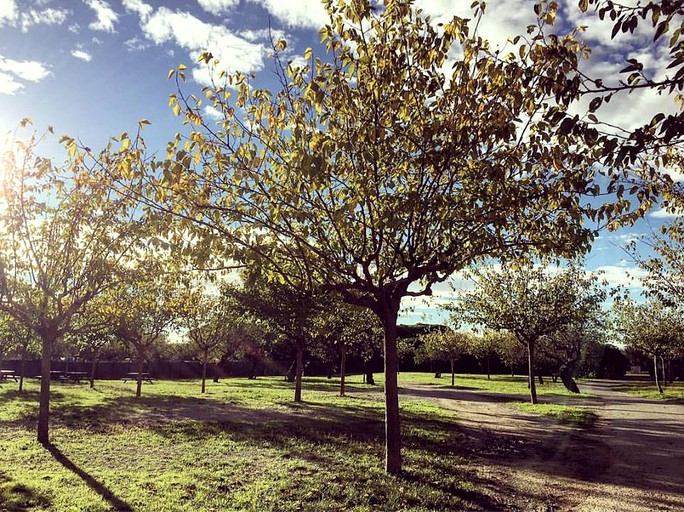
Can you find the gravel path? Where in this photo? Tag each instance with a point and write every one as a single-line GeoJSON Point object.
{"type": "Point", "coordinates": [632, 460]}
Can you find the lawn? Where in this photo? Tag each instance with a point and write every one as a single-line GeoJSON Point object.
{"type": "Point", "coordinates": [647, 389]}
{"type": "Point", "coordinates": [244, 445]}
{"type": "Point", "coordinates": [505, 384]}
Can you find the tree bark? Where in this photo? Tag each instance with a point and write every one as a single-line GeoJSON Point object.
{"type": "Point", "coordinates": [390, 312]}
{"type": "Point", "coordinates": [655, 373]}
{"type": "Point", "coordinates": [44, 400]}
{"type": "Point", "coordinates": [141, 368]}
{"type": "Point", "coordinates": [568, 381]}
{"type": "Point", "coordinates": [299, 370]}
{"type": "Point", "coordinates": [343, 366]}
{"type": "Point", "coordinates": [489, 373]}
{"type": "Point", "coordinates": [205, 360]}
{"type": "Point", "coordinates": [453, 373]}
{"type": "Point", "coordinates": [22, 370]}
{"type": "Point", "coordinates": [93, 369]}
{"type": "Point", "coordinates": [662, 364]}
{"type": "Point", "coordinates": [530, 372]}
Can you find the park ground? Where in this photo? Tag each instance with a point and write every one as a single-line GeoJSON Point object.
{"type": "Point", "coordinates": [245, 445]}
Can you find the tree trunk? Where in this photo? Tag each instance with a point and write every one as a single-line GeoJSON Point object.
{"type": "Point", "coordinates": [453, 373]}
{"type": "Point", "coordinates": [299, 370]}
{"type": "Point", "coordinates": [93, 369]}
{"type": "Point", "coordinates": [44, 401]}
{"type": "Point", "coordinates": [205, 360]}
{"type": "Point", "coordinates": [22, 370]}
{"type": "Point", "coordinates": [655, 373]}
{"type": "Point", "coordinates": [343, 366]}
{"type": "Point", "coordinates": [392, 423]}
{"type": "Point", "coordinates": [141, 368]}
{"type": "Point", "coordinates": [541, 379]}
{"type": "Point", "coordinates": [489, 373]}
{"type": "Point", "coordinates": [568, 381]}
{"type": "Point", "coordinates": [530, 372]}
{"type": "Point", "coordinates": [662, 364]}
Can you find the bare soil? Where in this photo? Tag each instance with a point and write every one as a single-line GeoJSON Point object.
{"type": "Point", "coordinates": [631, 460]}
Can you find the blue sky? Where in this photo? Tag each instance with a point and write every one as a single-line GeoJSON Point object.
{"type": "Point", "coordinates": [93, 68]}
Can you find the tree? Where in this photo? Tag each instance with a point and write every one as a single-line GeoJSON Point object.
{"type": "Point", "coordinates": [531, 303]}
{"type": "Point", "coordinates": [144, 305]}
{"type": "Point", "coordinates": [653, 328]}
{"type": "Point", "coordinates": [484, 347]}
{"type": "Point", "coordinates": [64, 230]}
{"type": "Point", "coordinates": [443, 345]}
{"type": "Point", "coordinates": [208, 323]}
{"type": "Point", "coordinates": [386, 164]}
{"type": "Point", "coordinates": [15, 338]}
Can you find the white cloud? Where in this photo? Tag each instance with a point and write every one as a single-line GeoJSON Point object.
{"type": "Point", "coordinates": [13, 72]}
{"type": "Point", "coordinates": [8, 12]}
{"type": "Point", "coordinates": [661, 213]}
{"type": "Point", "coordinates": [213, 113]}
{"type": "Point", "coordinates": [8, 84]}
{"type": "Point", "coordinates": [297, 13]}
{"type": "Point", "coordinates": [139, 7]}
{"type": "Point", "coordinates": [74, 28]}
{"type": "Point", "coordinates": [622, 275]}
{"type": "Point", "coordinates": [217, 7]}
{"type": "Point", "coordinates": [106, 16]}
{"type": "Point", "coordinates": [47, 16]}
{"type": "Point", "coordinates": [136, 44]}
{"type": "Point", "coordinates": [28, 70]}
{"type": "Point", "coordinates": [83, 55]}
{"type": "Point", "coordinates": [196, 36]}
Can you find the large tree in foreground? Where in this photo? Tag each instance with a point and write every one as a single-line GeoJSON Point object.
{"type": "Point", "coordinates": [532, 303]}
{"type": "Point", "coordinates": [63, 232]}
{"type": "Point", "coordinates": [407, 152]}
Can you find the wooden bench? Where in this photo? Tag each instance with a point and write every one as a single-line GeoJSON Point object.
{"type": "Point", "coordinates": [133, 377]}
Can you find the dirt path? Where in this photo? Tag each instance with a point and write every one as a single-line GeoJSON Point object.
{"type": "Point", "coordinates": [632, 460]}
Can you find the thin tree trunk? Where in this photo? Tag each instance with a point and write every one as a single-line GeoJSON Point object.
{"type": "Point", "coordinates": [205, 359]}
{"type": "Point", "coordinates": [93, 369]}
{"type": "Point", "coordinates": [662, 364]}
{"type": "Point", "coordinates": [655, 373]}
{"type": "Point", "coordinates": [299, 370]}
{"type": "Point", "coordinates": [530, 371]}
{"type": "Point", "coordinates": [141, 368]}
{"type": "Point", "coordinates": [22, 370]}
{"type": "Point", "coordinates": [392, 421]}
{"type": "Point", "coordinates": [453, 373]}
{"type": "Point", "coordinates": [44, 401]}
{"type": "Point", "coordinates": [489, 374]}
{"type": "Point", "coordinates": [343, 366]}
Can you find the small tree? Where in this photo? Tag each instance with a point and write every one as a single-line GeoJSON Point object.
{"type": "Point", "coordinates": [531, 303]}
{"type": "Point", "coordinates": [64, 230]}
{"type": "Point", "coordinates": [652, 328]}
{"type": "Point", "coordinates": [484, 347]}
{"type": "Point", "coordinates": [443, 345]}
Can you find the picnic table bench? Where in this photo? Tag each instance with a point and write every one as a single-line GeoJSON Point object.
{"type": "Point", "coordinates": [6, 375]}
{"type": "Point", "coordinates": [133, 377]}
{"type": "Point", "coordinates": [60, 376]}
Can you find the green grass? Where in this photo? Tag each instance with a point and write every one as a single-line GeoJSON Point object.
{"type": "Point", "coordinates": [497, 384]}
{"type": "Point", "coordinates": [243, 446]}
{"type": "Point", "coordinates": [647, 389]}
{"type": "Point", "coordinates": [564, 413]}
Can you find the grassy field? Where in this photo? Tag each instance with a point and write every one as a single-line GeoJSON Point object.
{"type": "Point", "coordinates": [648, 390]}
{"type": "Point", "coordinates": [243, 446]}
{"type": "Point", "coordinates": [506, 384]}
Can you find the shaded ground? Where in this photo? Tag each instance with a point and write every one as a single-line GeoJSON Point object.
{"type": "Point", "coordinates": [632, 459]}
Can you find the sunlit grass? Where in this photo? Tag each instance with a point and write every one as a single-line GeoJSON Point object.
{"type": "Point", "coordinates": [243, 446]}
{"type": "Point", "coordinates": [563, 413]}
{"type": "Point", "coordinates": [506, 384]}
{"type": "Point", "coordinates": [648, 390]}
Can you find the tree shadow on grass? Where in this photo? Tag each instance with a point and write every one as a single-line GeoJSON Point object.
{"type": "Point", "coordinates": [16, 497]}
{"type": "Point", "coordinates": [116, 503]}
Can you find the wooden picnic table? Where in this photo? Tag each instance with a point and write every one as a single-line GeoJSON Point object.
{"type": "Point", "coordinates": [6, 375]}
{"type": "Point", "coordinates": [134, 377]}
{"type": "Point", "coordinates": [60, 376]}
